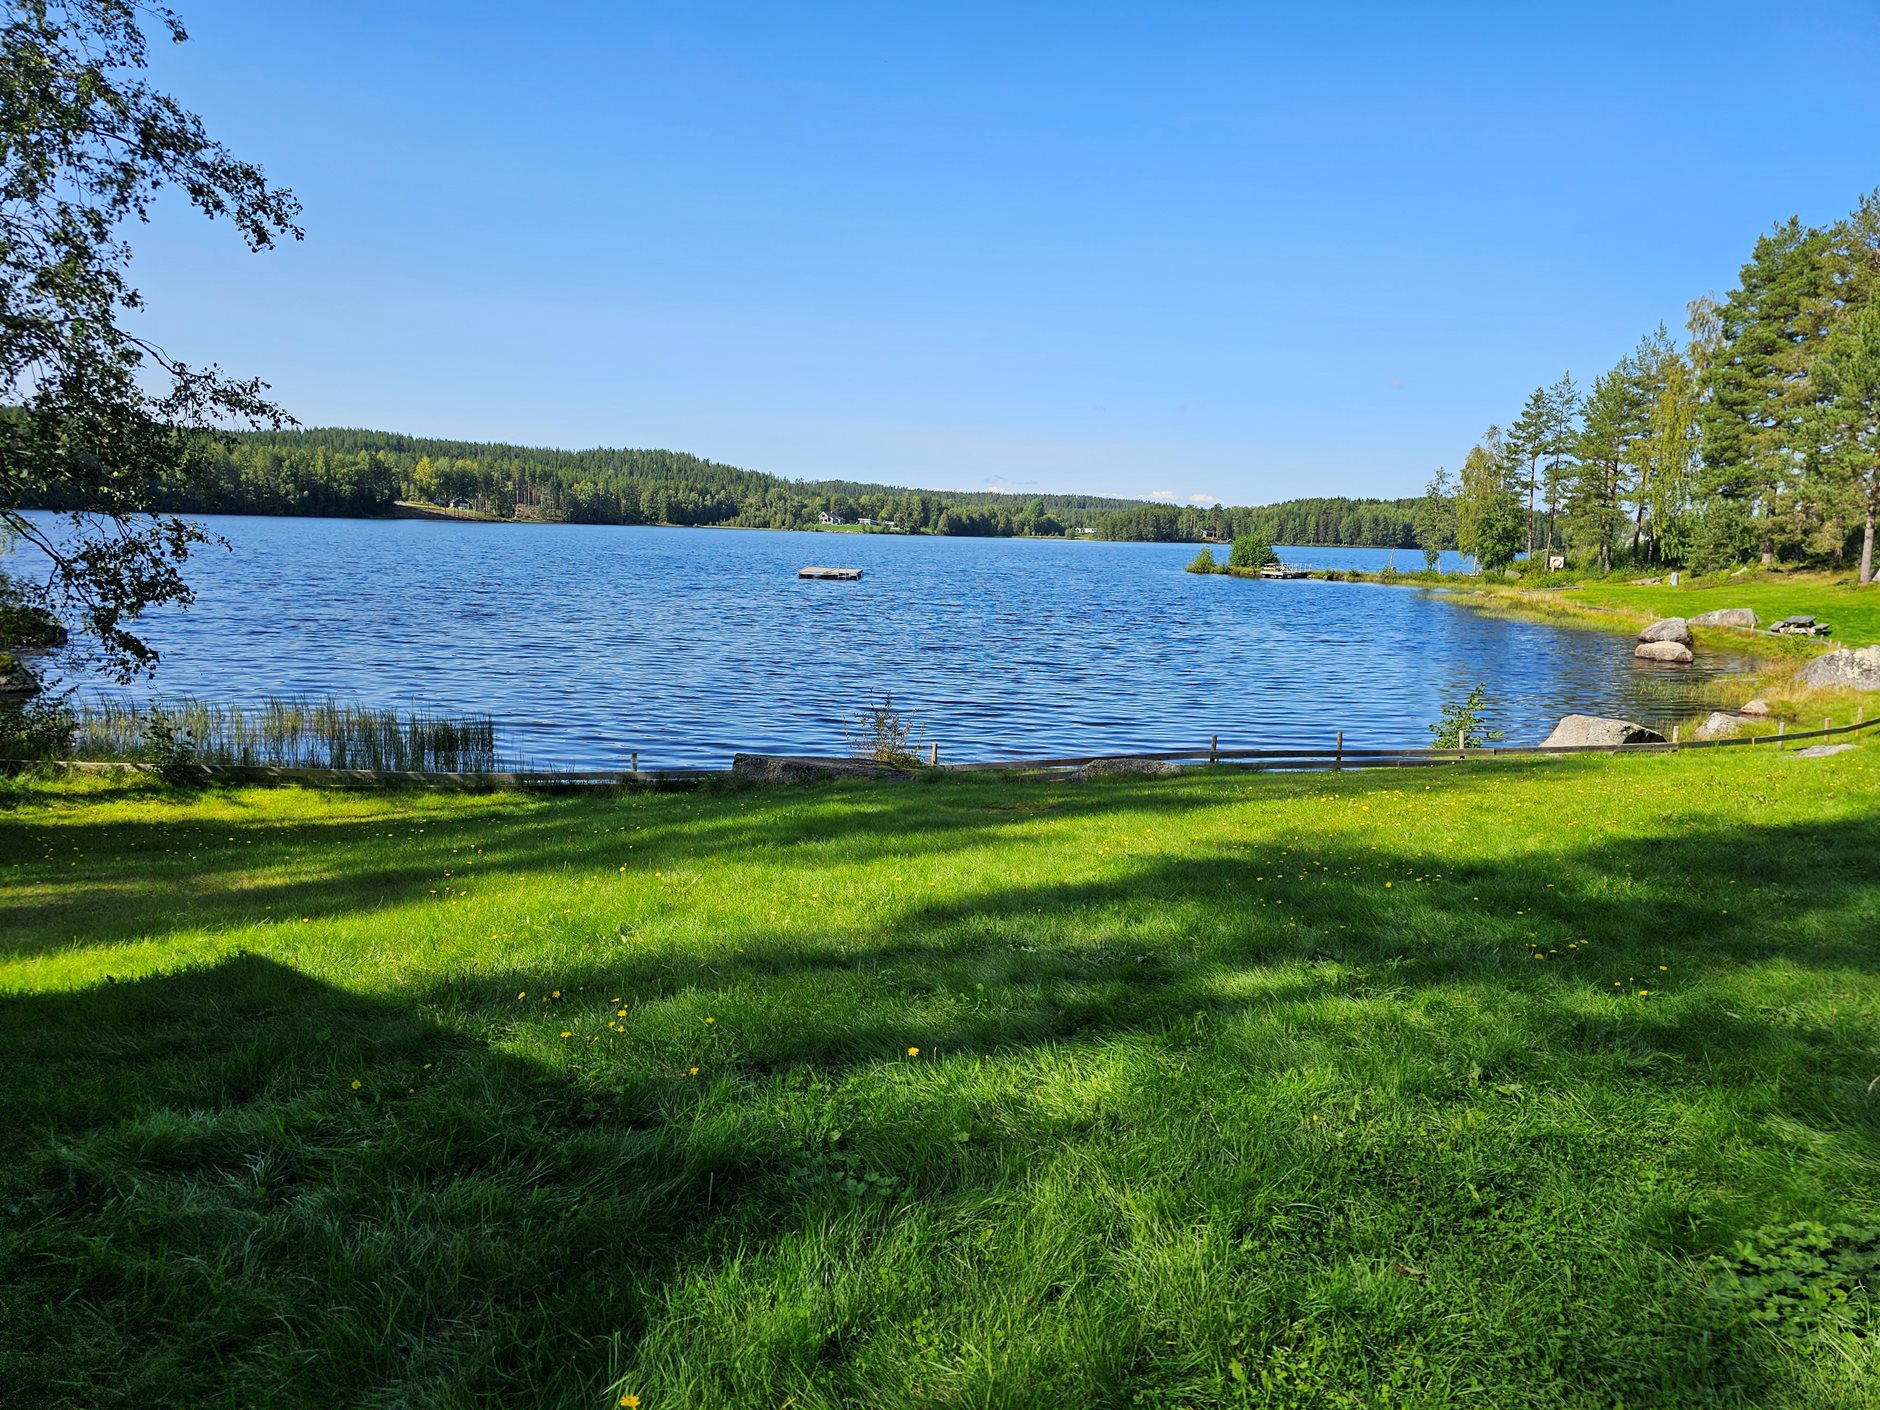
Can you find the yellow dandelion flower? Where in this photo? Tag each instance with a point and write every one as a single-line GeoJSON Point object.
{"type": "Point", "coordinates": [632, 1402]}
{"type": "Point", "coordinates": [913, 1052]}
{"type": "Point", "coordinates": [567, 1033]}
{"type": "Point", "coordinates": [555, 995]}
{"type": "Point", "coordinates": [620, 1013]}
{"type": "Point", "coordinates": [522, 993]}
{"type": "Point", "coordinates": [693, 1072]}
{"type": "Point", "coordinates": [710, 1019]}
{"type": "Point", "coordinates": [355, 1084]}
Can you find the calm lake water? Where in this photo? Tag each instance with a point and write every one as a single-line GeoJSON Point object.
{"type": "Point", "coordinates": [688, 644]}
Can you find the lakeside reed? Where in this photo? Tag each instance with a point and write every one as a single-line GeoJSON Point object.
{"type": "Point", "coordinates": [291, 733]}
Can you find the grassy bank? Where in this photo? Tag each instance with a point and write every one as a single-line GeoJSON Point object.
{"type": "Point", "coordinates": [1420, 1089]}
{"type": "Point", "coordinates": [1852, 612]}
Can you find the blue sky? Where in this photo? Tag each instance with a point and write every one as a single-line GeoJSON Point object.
{"type": "Point", "coordinates": [1186, 250]}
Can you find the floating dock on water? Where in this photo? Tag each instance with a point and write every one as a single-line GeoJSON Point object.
{"type": "Point", "coordinates": [841, 575]}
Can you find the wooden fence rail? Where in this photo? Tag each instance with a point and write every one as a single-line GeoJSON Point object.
{"type": "Point", "coordinates": [1342, 754]}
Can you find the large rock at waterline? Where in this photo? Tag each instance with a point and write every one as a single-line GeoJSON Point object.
{"type": "Point", "coordinates": [1672, 653]}
{"type": "Point", "coordinates": [1599, 729]}
{"type": "Point", "coordinates": [790, 768]}
{"type": "Point", "coordinates": [1740, 617]}
{"type": "Point", "coordinates": [16, 682]}
{"type": "Point", "coordinates": [1670, 629]}
{"type": "Point", "coordinates": [1720, 725]}
{"type": "Point", "coordinates": [1757, 707]}
{"type": "Point", "coordinates": [1114, 768]}
{"type": "Point", "coordinates": [1844, 670]}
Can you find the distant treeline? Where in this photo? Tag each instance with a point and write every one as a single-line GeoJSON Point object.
{"type": "Point", "coordinates": [341, 471]}
{"type": "Point", "coordinates": [1355, 523]}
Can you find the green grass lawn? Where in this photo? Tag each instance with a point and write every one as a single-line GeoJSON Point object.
{"type": "Point", "coordinates": [1418, 1089]}
{"type": "Point", "coordinates": [1852, 612]}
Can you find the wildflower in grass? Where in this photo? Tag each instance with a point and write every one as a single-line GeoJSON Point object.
{"type": "Point", "coordinates": [710, 1019]}
{"type": "Point", "coordinates": [355, 1085]}
{"type": "Point", "coordinates": [632, 1402]}
{"type": "Point", "coordinates": [567, 1033]}
{"type": "Point", "coordinates": [693, 1073]}
{"type": "Point", "coordinates": [620, 1013]}
{"type": "Point", "coordinates": [522, 993]}
{"type": "Point", "coordinates": [555, 995]}
{"type": "Point", "coordinates": [913, 1052]}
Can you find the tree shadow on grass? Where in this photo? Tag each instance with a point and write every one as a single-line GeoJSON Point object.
{"type": "Point", "coordinates": [203, 1207]}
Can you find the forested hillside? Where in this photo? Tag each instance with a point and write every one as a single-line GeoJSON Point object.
{"type": "Point", "coordinates": [340, 471]}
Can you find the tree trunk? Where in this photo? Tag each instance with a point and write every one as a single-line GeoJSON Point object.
{"type": "Point", "coordinates": [1533, 471]}
{"type": "Point", "coordinates": [1866, 541]}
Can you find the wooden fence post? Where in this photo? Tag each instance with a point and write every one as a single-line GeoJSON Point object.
{"type": "Point", "coordinates": [635, 757]}
{"type": "Point", "coordinates": [933, 755]}
{"type": "Point", "coordinates": [1338, 751]}
{"type": "Point", "coordinates": [1781, 726]}
{"type": "Point", "coordinates": [1214, 749]}
{"type": "Point", "coordinates": [1674, 735]}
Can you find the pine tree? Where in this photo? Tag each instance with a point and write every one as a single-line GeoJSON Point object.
{"type": "Point", "coordinates": [1563, 416]}
{"type": "Point", "coordinates": [1613, 417]}
{"type": "Point", "coordinates": [1755, 400]}
{"type": "Point", "coordinates": [1527, 443]}
{"type": "Point", "coordinates": [1848, 371]}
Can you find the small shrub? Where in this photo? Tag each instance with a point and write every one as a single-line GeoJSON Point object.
{"type": "Point", "coordinates": [36, 729]}
{"type": "Point", "coordinates": [1250, 551]}
{"type": "Point", "coordinates": [1462, 721]}
{"type": "Point", "coordinates": [169, 751]}
{"type": "Point", "coordinates": [883, 735]}
{"type": "Point", "coordinates": [1204, 562]}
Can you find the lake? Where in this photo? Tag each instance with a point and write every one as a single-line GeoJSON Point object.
{"type": "Point", "coordinates": [588, 642]}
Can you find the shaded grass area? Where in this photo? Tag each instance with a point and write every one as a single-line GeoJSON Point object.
{"type": "Point", "coordinates": [1421, 1089]}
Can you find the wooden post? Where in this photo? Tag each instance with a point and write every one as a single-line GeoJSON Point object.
{"type": "Point", "coordinates": [635, 757]}
{"type": "Point", "coordinates": [1214, 749]}
{"type": "Point", "coordinates": [933, 755]}
{"type": "Point", "coordinates": [1781, 726]}
{"type": "Point", "coordinates": [1674, 735]}
{"type": "Point", "coordinates": [1338, 750]}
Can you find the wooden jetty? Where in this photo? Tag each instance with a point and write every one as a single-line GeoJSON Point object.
{"type": "Point", "coordinates": [841, 575]}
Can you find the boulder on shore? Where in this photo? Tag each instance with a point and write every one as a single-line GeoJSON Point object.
{"type": "Point", "coordinates": [16, 682]}
{"type": "Point", "coordinates": [1113, 768]}
{"type": "Point", "coordinates": [1820, 751]}
{"type": "Point", "coordinates": [1758, 707]}
{"type": "Point", "coordinates": [1670, 629]}
{"type": "Point", "coordinates": [1720, 725]}
{"type": "Point", "coordinates": [1846, 670]}
{"type": "Point", "coordinates": [1726, 617]}
{"type": "Point", "coordinates": [1672, 653]}
{"type": "Point", "coordinates": [1599, 729]}
{"type": "Point", "coordinates": [790, 768]}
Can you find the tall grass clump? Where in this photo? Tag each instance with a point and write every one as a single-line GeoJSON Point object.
{"type": "Point", "coordinates": [292, 733]}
